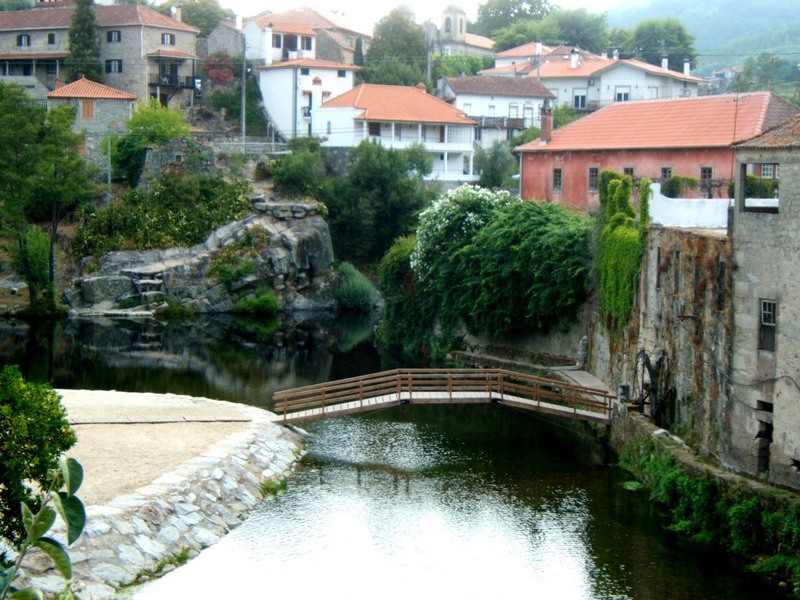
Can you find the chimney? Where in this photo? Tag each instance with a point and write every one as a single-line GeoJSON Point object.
{"type": "Point", "coordinates": [57, 83]}
{"type": "Point", "coordinates": [538, 48]}
{"type": "Point", "coordinates": [665, 63]}
{"type": "Point", "coordinates": [687, 66]}
{"type": "Point", "coordinates": [616, 54]}
{"type": "Point", "coordinates": [176, 12]}
{"type": "Point", "coordinates": [547, 123]}
{"type": "Point", "coordinates": [604, 54]}
{"type": "Point", "coordinates": [574, 59]}
{"type": "Point", "coordinates": [239, 22]}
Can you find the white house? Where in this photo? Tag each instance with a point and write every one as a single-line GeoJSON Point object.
{"type": "Point", "coordinates": [502, 107]}
{"type": "Point", "coordinates": [397, 117]}
{"type": "Point", "coordinates": [267, 41]}
{"type": "Point", "coordinates": [292, 89]}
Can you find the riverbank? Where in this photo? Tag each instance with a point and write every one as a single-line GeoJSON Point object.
{"type": "Point", "coordinates": [164, 477]}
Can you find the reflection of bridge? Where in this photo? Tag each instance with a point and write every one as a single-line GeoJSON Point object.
{"type": "Point", "coordinates": [443, 386]}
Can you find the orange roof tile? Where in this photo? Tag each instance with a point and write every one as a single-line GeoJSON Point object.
{"type": "Point", "coordinates": [394, 103]}
{"type": "Point", "coordinates": [562, 67]}
{"type": "Point", "coordinates": [309, 17]}
{"type": "Point", "coordinates": [86, 88]}
{"type": "Point", "coordinates": [479, 41]}
{"type": "Point", "coordinates": [696, 122]}
{"type": "Point", "coordinates": [311, 63]}
{"type": "Point", "coordinates": [107, 16]}
{"type": "Point", "coordinates": [525, 51]}
{"type": "Point", "coordinates": [785, 135]}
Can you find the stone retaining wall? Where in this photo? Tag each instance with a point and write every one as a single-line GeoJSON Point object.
{"type": "Point", "coordinates": [188, 509]}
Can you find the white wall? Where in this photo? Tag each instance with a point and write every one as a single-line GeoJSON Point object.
{"type": "Point", "coordinates": [704, 213]}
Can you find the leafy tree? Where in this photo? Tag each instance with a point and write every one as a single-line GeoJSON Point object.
{"type": "Point", "coordinates": [653, 39]}
{"type": "Point", "coordinates": [496, 165]}
{"type": "Point", "coordinates": [522, 31]}
{"type": "Point", "coordinates": [358, 53]}
{"type": "Point", "coordinates": [219, 68]}
{"type": "Point", "coordinates": [8, 5]}
{"type": "Point", "coordinates": [34, 432]}
{"type": "Point", "coordinates": [398, 45]}
{"type": "Point", "coordinates": [203, 14]}
{"type": "Point", "coordinates": [564, 114]}
{"type": "Point", "coordinates": [84, 43]}
{"type": "Point", "coordinates": [230, 98]}
{"type": "Point", "coordinates": [456, 65]}
{"type": "Point", "coordinates": [30, 260]}
{"type": "Point", "coordinates": [494, 15]}
{"type": "Point", "coordinates": [581, 28]}
{"type": "Point", "coordinates": [378, 201]}
{"type": "Point", "coordinates": [150, 124]}
{"type": "Point", "coordinates": [300, 173]}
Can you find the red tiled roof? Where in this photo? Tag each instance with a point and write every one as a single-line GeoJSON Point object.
{"type": "Point", "coordinates": [85, 88]}
{"type": "Point", "coordinates": [499, 86]}
{"type": "Point", "coordinates": [510, 70]}
{"type": "Point", "coordinates": [394, 103]}
{"type": "Point", "coordinates": [171, 54]}
{"type": "Point", "coordinates": [311, 63]}
{"type": "Point", "coordinates": [562, 67]}
{"type": "Point", "coordinates": [32, 55]}
{"type": "Point", "coordinates": [785, 135]}
{"type": "Point", "coordinates": [479, 41]}
{"type": "Point", "coordinates": [524, 51]}
{"type": "Point", "coordinates": [697, 122]}
{"type": "Point", "coordinates": [307, 16]}
{"type": "Point", "coordinates": [107, 16]}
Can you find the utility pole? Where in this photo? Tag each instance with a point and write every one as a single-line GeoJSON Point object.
{"type": "Point", "coordinates": [244, 86]}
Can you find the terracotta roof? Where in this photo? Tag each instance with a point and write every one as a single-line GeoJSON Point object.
{"type": "Point", "coordinates": [85, 88]}
{"type": "Point", "coordinates": [696, 122]}
{"type": "Point", "coordinates": [524, 51]}
{"type": "Point", "coordinates": [394, 103]}
{"type": "Point", "coordinates": [107, 16]}
{"type": "Point", "coordinates": [32, 55]}
{"type": "Point", "coordinates": [499, 86]}
{"type": "Point", "coordinates": [785, 135]}
{"type": "Point", "coordinates": [479, 41]}
{"type": "Point", "coordinates": [309, 17]}
{"type": "Point", "coordinates": [562, 67]}
{"type": "Point", "coordinates": [311, 63]}
{"type": "Point", "coordinates": [656, 70]}
{"type": "Point", "coordinates": [172, 54]}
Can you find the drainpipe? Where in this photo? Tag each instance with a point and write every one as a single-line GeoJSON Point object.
{"type": "Point", "coordinates": [294, 102]}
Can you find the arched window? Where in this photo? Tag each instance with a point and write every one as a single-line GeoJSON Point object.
{"type": "Point", "coordinates": [447, 25]}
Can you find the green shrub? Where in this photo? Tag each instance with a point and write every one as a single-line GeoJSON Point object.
{"type": "Point", "coordinates": [34, 432]}
{"type": "Point", "coordinates": [266, 303]}
{"type": "Point", "coordinates": [756, 187]}
{"type": "Point", "coordinates": [355, 293]}
{"type": "Point", "coordinates": [675, 186]}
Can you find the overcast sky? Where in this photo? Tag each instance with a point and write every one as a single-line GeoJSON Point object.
{"type": "Point", "coordinates": [365, 13]}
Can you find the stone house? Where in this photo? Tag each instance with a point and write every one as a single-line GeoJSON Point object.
{"type": "Point", "coordinates": [765, 397]}
{"type": "Point", "coordinates": [656, 139]}
{"type": "Point", "coordinates": [100, 110]}
{"type": "Point", "coordinates": [502, 107]}
{"type": "Point", "coordinates": [397, 117]}
{"type": "Point", "coordinates": [142, 51]}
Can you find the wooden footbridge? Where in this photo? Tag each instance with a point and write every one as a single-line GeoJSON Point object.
{"type": "Point", "coordinates": [443, 386]}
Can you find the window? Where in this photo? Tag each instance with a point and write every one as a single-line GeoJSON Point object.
{"type": "Point", "coordinates": [51, 38]}
{"type": "Point", "coordinates": [467, 108]}
{"type": "Point", "coordinates": [630, 171]}
{"type": "Point", "coordinates": [513, 111]}
{"type": "Point", "coordinates": [478, 134]}
{"type": "Point", "coordinates": [447, 25]}
{"type": "Point", "coordinates": [115, 35]}
{"type": "Point", "coordinates": [766, 325]}
{"type": "Point", "coordinates": [276, 40]}
{"type": "Point", "coordinates": [705, 179]}
{"type": "Point", "coordinates": [579, 98]}
{"type": "Point", "coordinates": [168, 39]}
{"type": "Point", "coordinates": [114, 66]}
{"type": "Point", "coordinates": [527, 116]}
{"type": "Point", "coordinates": [666, 173]}
{"type": "Point", "coordinates": [87, 109]}
{"type": "Point", "coordinates": [304, 71]}
{"type": "Point", "coordinates": [769, 170]}
{"type": "Point", "coordinates": [328, 128]}
{"type": "Point", "coordinates": [622, 93]}
{"type": "Point", "coordinates": [594, 179]}
{"type": "Point", "coordinates": [374, 129]}
{"type": "Point", "coordinates": [23, 39]}
{"type": "Point", "coordinates": [558, 179]}
{"type": "Point", "coordinates": [52, 67]}
{"type": "Point", "coordinates": [491, 110]}
{"type": "Point", "coordinates": [305, 43]}
{"type": "Point", "coordinates": [341, 73]}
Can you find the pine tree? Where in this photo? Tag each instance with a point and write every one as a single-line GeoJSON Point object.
{"type": "Point", "coordinates": [84, 44]}
{"type": "Point", "coordinates": [358, 53]}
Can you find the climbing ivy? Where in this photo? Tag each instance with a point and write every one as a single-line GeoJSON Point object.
{"type": "Point", "coordinates": [621, 247]}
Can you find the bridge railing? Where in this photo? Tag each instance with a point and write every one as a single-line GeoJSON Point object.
{"type": "Point", "coordinates": [443, 386]}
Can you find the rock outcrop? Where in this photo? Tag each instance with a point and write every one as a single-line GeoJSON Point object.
{"type": "Point", "coordinates": [284, 247]}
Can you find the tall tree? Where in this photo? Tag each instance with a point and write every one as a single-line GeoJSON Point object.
{"type": "Point", "coordinates": [358, 53]}
{"type": "Point", "coordinates": [398, 46]}
{"type": "Point", "coordinates": [203, 14]}
{"type": "Point", "coordinates": [494, 15]}
{"type": "Point", "coordinates": [84, 44]}
{"type": "Point", "coordinates": [581, 28]}
{"type": "Point", "coordinates": [654, 39]}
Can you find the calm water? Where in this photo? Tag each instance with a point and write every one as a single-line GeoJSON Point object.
{"type": "Point", "coordinates": [412, 502]}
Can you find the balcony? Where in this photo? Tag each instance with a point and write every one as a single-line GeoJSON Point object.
{"type": "Point", "coordinates": [177, 81]}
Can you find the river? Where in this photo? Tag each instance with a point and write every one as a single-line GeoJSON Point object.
{"type": "Point", "coordinates": [446, 502]}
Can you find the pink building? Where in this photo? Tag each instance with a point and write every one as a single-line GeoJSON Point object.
{"type": "Point", "coordinates": [656, 139]}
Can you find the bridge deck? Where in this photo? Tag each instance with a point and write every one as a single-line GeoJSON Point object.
{"type": "Point", "coordinates": [444, 386]}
